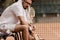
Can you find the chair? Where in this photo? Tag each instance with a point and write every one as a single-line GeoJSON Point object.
{"type": "Point", "coordinates": [16, 35]}
{"type": "Point", "coordinates": [4, 35]}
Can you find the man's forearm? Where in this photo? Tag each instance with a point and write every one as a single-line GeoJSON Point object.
{"type": "Point", "coordinates": [22, 21]}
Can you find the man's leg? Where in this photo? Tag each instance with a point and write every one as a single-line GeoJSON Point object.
{"type": "Point", "coordinates": [24, 30]}
{"type": "Point", "coordinates": [10, 38]}
{"type": "Point", "coordinates": [32, 33]}
{"type": "Point", "coordinates": [32, 36]}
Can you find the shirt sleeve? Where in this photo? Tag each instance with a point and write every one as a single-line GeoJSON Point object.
{"type": "Point", "coordinates": [18, 10]}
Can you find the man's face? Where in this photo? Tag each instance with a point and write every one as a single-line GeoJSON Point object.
{"type": "Point", "coordinates": [27, 3]}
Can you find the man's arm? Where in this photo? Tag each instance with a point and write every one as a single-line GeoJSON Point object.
{"type": "Point", "coordinates": [23, 22]}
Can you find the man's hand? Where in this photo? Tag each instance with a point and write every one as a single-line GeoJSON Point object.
{"type": "Point", "coordinates": [33, 27]}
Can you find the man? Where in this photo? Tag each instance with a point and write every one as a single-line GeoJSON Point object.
{"type": "Point", "coordinates": [14, 18]}
{"type": "Point", "coordinates": [28, 21]}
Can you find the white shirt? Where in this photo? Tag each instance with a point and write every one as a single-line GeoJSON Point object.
{"type": "Point", "coordinates": [27, 16]}
{"type": "Point", "coordinates": [9, 16]}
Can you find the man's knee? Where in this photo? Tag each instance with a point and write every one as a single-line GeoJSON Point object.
{"type": "Point", "coordinates": [20, 27]}
{"type": "Point", "coordinates": [25, 27]}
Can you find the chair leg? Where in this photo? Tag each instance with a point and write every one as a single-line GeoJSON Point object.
{"type": "Point", "coordinates": [16, 36]}
{"type": "Point", "coordinates": [20, 34]}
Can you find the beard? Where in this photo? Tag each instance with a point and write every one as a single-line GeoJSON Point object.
{"type": "Point", "coordinates": [25, 7]}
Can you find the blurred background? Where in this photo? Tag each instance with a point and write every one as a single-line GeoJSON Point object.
{"type": "Point", "coordinates": [47, 17]}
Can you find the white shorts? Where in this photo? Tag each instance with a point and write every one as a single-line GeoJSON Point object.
{"type": "Point", "coordinates": [7, 26]}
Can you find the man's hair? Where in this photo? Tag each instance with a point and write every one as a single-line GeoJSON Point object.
{"type": "Point", "coordinates": [26, 0]}
{"type": "Point", "coordinates": [16, 0]}
{"type": "Point", "coordinates": [23, 0]}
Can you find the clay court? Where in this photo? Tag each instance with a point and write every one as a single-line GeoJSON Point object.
{"type": "Point", "coordinates": [48, 31]}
